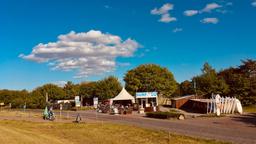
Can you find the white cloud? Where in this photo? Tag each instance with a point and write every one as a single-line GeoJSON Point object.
{"type": "Point", "coordinates": [190, 12]}
{"type": "Point", "coordinates": [166, 18]}
{"type": "Point", "coordinates": [177, 30]}
{"type": "Point", "coordinates": [254, 4]}
{"type": "Point", "coordinates": [210, 20]}
{"type": "Point", "coordinates": [211, 6]}
{"type": "Point", "coordinates": [164, 12]}
{"type": "Point", "coordinates": [60, 83]}
{"type": "Point", "coordinates": [89, 53]}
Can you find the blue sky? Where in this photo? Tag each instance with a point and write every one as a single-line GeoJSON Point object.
{"type": "Point", "coordinates": [110, 37]}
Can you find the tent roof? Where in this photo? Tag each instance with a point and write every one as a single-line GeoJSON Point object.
{"type": "Point", "coordinates": [124, 95]}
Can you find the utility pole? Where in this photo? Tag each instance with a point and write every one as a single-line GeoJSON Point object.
{"type": "Point", "coordinates": [46, 97]}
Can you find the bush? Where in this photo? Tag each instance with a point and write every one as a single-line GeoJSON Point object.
{"type": "Point", "coordinates": [163, 115]}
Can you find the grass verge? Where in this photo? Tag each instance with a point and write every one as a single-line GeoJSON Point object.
{"type": "Point", "coordinates": [19, 132]}
{"type": "Point", "coordinates": [250, 109]}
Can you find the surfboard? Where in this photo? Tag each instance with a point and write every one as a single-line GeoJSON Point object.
{"type": "Point", "coordinates": [239, 106]}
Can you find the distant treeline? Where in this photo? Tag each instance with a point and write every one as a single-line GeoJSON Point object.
{"type": "Point", "coordinates": [239, 82]}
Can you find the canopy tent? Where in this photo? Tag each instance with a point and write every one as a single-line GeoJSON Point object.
{"type": "Point", "coordinates": [124, 95]}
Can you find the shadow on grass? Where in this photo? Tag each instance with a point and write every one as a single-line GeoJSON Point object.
{"type": "Point", "coordinates": [249, 119]}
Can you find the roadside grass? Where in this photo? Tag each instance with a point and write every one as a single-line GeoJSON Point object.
{"type": "Point", "coordinates": [250, 109]}
{"type": "Point", "coordinates": [21, 132]}
{"type": "Point", "coordinates": [19, 113]}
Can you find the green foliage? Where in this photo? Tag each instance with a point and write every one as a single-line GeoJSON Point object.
{"type": "Point", "coordinates": [239, 82]}
{"type": "Point", "coordinates": [17, 98]}
{"type": "Point", "coordinates": [208, 82]}
{"type": "Point", "coordinates": [36, 100]}
{"type": "Point", "coordinates": [186, 88]}
{"type": "Point", "coordinates": [242, 81]}
{"type": "Point", "coordinates": [53, 91]}
{"type": "Point", "coordinates": [71, 90]}
{"type": "Point", "coordinates": [87, 90]}
{"type": "Point", "coordinates": [150, 77]}
{"type": "Point", "coordinates": [107, 88]}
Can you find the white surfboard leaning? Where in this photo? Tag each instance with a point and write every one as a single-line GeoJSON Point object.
{"type": "Point", "coordinates": [239, 108]}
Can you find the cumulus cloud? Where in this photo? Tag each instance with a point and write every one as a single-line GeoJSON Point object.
{"type": "Point", "coordinates": [254, 4]}
{"type": "Point", "coordinates": [60, 83]}
{"type": "Point", "coordinates": [89, 53]}
{"type": "Point", "coordinates": [164, 12]}
{"type": "Point", "coordinates": [166, 18]}
{"type": "Point", "coordinates": [190, 12]}
{"type": "Point", "coordinates": [210, 20]}
{"type": "Point", "coordinates": [210, 7]}
{"type": "Point", "coordinates": [177, 30]}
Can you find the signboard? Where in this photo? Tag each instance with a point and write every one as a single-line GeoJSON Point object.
{"type": "Point", "coordinates": [95, 102]}
{"type": "Point", "coordinates": [77, 101]}
{"type": "Point", "coordinates": [146, 94]}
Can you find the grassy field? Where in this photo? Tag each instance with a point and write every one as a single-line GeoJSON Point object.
{"type": "Point", "coordinates": [250, 109]}
{"type": "Point", "coordinates": [22, 132]}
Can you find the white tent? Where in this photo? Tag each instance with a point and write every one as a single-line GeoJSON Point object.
{"type": "Point", "coordinates": [124, 95]}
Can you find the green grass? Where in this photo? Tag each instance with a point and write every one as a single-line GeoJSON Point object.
{"type": "Point", "coordinates": [250, 109]}
{"type": "Point", "coordinates": [22, 132]}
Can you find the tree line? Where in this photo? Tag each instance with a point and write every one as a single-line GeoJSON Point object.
{"type": "Point", "coordinates": [239, 82]}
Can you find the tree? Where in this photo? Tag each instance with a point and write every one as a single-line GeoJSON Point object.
{"type": "Point", "coordinates": [37, 99]}
{"type": "Point", "coordinates": [208, 82]}
{"type": "Point", "coordinates": [248, 69]}
{"type": "Point", "coordinates": [87, 90]}
{"type": "Point", "coordinates": [53, 91]}
{"type": "Point", "coordinates": [17, 98]}
{"type": "Point", "coordinates": [107, 88]}
{"type": "Point", "coordinates": [150, 77]}
{"type": "Point", "coordinates": [186, 88]}
{"type": "Point", "coordinates": [242, 81]}
{"type": "Point", "coordinates": [70, 90]}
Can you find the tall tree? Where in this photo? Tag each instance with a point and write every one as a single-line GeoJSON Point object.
{"type": "Point", "coordinates": [208, 82]}
{"type": "Point", "coordinates": [53, 91]}
{"type": "Point", "coordinates": [87, 89]}
{"type": "Point", "coordinates": [242, 81]}
{"type": "Point", "coordinates": [71, 90]}
{"type": "Point", "coordinates": [107, 88]}
{"type": "Point", "coordinates": [186, 88]}
{"type": "Point", "coordinates": [150, 77]}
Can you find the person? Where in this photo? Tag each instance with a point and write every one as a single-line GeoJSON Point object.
{"type": "Point", "coordinates": [78, 118]}
{"type": "Point", "coordinates": [45, 113]}
{"type": "Point", "coordinates": [51, 114]}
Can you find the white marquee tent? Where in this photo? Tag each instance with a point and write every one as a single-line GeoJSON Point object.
{"type": "Point", "coordinates": [124, 95]}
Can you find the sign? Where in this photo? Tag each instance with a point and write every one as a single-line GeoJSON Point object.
{"type": "Point", "coordinates": [61, 107]}
{"type": "Point", "coordinates": [146, 94]}
{"type": "Point", "coordinates": [77, 101]}
{"type": "Point", "coordinates": [95, 102]}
